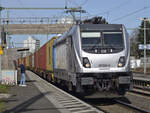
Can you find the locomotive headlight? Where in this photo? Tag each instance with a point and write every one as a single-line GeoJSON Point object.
{"type": "Point", "coordinates": [121, 62]}
{"type": "Point", "coordinates": [86, 62]}
{"type": "Point", "coordinates": [87, 65]}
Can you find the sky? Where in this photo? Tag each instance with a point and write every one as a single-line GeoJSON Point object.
{"type": "Point", "coordinates": [125, 12]}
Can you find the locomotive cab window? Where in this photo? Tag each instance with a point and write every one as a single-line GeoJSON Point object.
{"type": "Point", "coordinates": [102, 42]}
{"type": "Point", "coordinates": [90, 40]}
{"type": "Point", "coordinates": [113, 39]}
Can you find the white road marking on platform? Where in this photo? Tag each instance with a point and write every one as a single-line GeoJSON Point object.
{"type": "Point", "coordinates": [72, 103]}
{"type": "Point", "coordinates": [81, 108]}
{"type": "Point", "coordinates": [83, 111]}
{"type": "Point", "coordinates": [79, 105]}
{"type": "Point", "coordinates": [67, 101]}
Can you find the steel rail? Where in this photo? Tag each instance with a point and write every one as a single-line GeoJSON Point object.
{"type": "Point", "coordinates": [132, 106]}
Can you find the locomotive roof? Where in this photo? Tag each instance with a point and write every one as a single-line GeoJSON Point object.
{"type": "Point", "coordinates": [101, 26]}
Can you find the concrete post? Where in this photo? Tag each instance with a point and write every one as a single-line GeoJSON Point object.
{"type": "Point", "coordinates": [145, 47]}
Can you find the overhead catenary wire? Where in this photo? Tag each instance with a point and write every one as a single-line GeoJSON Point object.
{"type": "Point", "coordinates": [111, 9]}
{"type": "Point", "coordinates": [130, 14]}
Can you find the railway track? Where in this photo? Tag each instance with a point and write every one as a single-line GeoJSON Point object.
{"type": "Point", "coordinates": [115, 106]}
{"type": "Point", "coordinates": [123, 105]}
{"type": "Point", "coordinates": [140, 98]}
{"type": "Point", "coordinates": [132, 107]}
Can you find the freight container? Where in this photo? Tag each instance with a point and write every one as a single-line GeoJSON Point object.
{"type": "Point", "coordinates": [27, 61]}
{"type": "Point", "coordinates": [42, 58]}
{"type": "Point", "coordinates": [30, 61]}
{"type": "Point", "coordinates": [49, 47]}
{"type": "Point", "coordinates": [36, 60]}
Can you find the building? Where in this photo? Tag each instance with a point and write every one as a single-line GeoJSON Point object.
{"type": "Point", "coordinates": [32, 43]}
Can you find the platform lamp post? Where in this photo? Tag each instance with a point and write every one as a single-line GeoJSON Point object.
{"type": "Point", "coordinates": [145, 66]}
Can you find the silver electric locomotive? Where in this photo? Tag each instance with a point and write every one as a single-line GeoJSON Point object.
{"type": "Point", "coordinates": [93, 59]}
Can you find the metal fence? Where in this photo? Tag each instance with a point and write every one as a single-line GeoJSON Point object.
{"type": "Point", "coordinates": [38, 20]}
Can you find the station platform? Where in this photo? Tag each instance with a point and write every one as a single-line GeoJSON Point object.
{"type": "Point", "coordinates": [39, 96]}
{"type": "Point", "coordinates": [31, 99]}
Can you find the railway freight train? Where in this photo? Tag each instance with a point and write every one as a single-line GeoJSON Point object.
{"type": "Point", "coordinates": [89, 59]}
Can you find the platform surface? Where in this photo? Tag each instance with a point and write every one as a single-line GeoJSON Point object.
{"type": "Point", "coordinates": [30, 99]}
